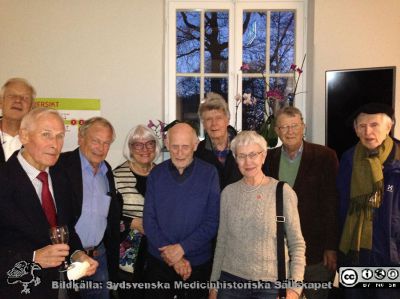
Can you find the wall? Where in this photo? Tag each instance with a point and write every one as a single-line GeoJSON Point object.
{"type": "Point", "coordinates": [112, 50]}
{"type": "Point", "coordinates": [351, 34]}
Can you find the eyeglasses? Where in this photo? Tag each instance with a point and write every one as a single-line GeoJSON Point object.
{"type": "Point", "coordinates": [14, 97]}
{"type": "Point", "coordinates": [139, 146]}
{"type": "Point", "coordinates": [251, 156]}
{"type": "Point", "coordinates": [294, 127]}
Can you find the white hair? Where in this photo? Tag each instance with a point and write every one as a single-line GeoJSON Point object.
{"type": "Point", "coordinates": [246, 138]}
{"type": "Point", "coordinates": [136, 133]}
{"type": "Point", "coordinates": [29, 120]}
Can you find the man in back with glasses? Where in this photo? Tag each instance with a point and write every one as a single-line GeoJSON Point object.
{"type": "Point", "coordinates": [311, 170]}
{"type": "Point", "coordinates": [16, 100]}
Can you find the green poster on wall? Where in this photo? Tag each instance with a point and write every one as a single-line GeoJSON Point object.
{"type": "Point", "coordinates": [74, 112]}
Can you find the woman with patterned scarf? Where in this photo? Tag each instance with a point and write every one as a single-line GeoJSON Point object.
{"type": "Point", "coordinates": [369, 185]}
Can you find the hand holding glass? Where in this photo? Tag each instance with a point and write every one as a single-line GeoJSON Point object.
{"type": "Point", "coordinates": [59, 235]}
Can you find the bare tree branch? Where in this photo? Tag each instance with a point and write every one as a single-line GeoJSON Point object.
{"type": "Point", "coordinates": [187, 53]}
{"type": "Point", "coordinates": [283, 36]}
{"type": "Point", "coordinates": [187, 23]}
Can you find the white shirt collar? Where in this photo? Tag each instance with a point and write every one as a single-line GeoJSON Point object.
{"type": "Point", "coordinates": [10, 144]}
{"type": "Point", "coordinates": [31, 171]}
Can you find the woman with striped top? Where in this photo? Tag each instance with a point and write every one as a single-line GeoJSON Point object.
{"type": "Point", "coordinates": [141, 149]}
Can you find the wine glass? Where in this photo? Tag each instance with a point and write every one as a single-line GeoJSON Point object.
{"type": "Point", "coordinates": [59, 235]}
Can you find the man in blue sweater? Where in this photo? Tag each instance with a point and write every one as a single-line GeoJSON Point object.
{"type": "Point", "coordinates": [181, 214]}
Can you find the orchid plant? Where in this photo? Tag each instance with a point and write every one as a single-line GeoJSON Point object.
{"type": "Point", "coordinates": [273, 98]}
{"type": "Point", "coordinates": [158, 129]}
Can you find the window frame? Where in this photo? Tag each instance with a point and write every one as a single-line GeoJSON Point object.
{"type": "Point", "coordinates": [235, 9]}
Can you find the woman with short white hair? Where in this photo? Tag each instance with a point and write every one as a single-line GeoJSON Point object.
{"type": "Point", "coordinates": [247, 235]}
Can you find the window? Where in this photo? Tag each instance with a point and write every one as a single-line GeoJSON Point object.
{"type": "Point", "coordinates": [207, 42]}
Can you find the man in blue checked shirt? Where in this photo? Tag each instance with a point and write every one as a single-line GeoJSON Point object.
{"type": "Point", "coordinates": [97, 205]}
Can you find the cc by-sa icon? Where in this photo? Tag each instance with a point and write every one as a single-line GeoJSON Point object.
{"type": "Point", "coordinates": [348, 277]}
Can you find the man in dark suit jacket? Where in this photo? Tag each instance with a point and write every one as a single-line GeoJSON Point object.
{"type": "Point", "coordinates": [16, 100]}
{"type": "Point", "coordinates": [311, 170]}
{"type": "Point", "coordinates": [2, 156]}
{"type": "Point", "coordinates": [97, 215]}
{"type": "Point", "coordinates": [24, 226]}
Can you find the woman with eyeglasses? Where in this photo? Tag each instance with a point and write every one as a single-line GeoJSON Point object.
{"type": "Point", "coordinates": [141, 149]}
{"type": "Point", "coordinates": [246, 243]}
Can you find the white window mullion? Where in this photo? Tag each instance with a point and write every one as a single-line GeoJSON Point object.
{"type": "Point", "coordinates": [234, 76]}
{"type": "Point", "coordinates": [267, 50]}
{"type": "Point", "coordinates": [237, 63]}
{"type": "Point", "coordinates": [202, 67]}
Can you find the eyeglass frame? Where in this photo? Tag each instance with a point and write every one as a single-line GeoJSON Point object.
{"type": "Point", "coordinates": [139, 146]}
{"type": "Point", "coordinates": [15, 97]}
{"type": "Point", "coordinates": [252, 156]}
{"type": "Point", "coordinates": [293, 127]}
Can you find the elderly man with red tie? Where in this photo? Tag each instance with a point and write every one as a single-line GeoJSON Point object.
{"type": "Point", "coordinates": [34, 198]}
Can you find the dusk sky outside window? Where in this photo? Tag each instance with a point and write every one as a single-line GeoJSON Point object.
{"type": "Point", "coordinates": [202, 58]}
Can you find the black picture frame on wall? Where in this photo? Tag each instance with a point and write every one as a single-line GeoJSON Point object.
{"type": "Point", "coordinates": [347, 90]}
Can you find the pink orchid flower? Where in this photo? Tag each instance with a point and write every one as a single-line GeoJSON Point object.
{"type": "Point", "coordinates": [275, 94]}
{"type": "Point", "coordinates": [245, 67]}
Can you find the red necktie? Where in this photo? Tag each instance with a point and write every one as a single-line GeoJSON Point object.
{"type": "Point", "coordinates": [47, 200]}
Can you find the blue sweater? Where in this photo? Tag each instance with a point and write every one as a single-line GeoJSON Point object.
{"type": "Point", "coordinates": [186, 213]}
